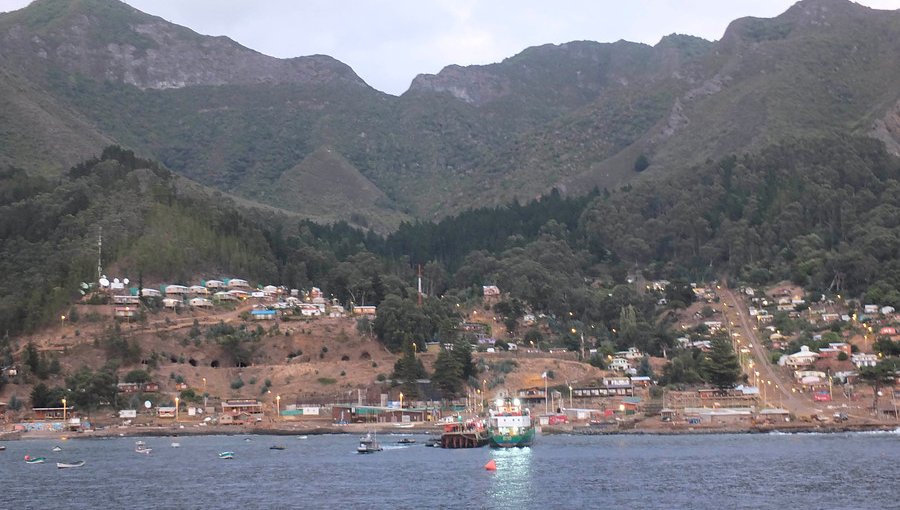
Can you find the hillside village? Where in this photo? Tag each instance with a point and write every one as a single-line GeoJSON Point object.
{"type": "Point", "coordinates": [316, 363]}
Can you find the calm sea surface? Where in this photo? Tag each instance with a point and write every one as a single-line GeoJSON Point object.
{"type": "Point", "coordinates": [852, 470]}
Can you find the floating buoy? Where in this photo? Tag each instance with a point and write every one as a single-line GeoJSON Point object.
{"type": "Point", "coordinates": [491, 465]}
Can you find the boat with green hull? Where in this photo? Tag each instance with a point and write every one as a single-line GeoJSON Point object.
{"type": "Point", "coordinates": [510, 424]}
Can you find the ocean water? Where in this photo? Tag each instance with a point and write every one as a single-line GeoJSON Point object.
{"type": "Point", "coordinates": [845, 470]}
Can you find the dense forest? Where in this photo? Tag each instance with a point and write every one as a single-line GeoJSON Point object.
{"type": "Point", "coordinates": [823, 213]}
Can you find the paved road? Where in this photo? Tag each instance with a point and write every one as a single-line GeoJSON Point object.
{"type": "Point", "coordinates": [778, 393]}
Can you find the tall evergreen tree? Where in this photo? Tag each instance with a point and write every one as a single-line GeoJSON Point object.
{"type": "Point", "coordinates": [721, 367]}
{"type": "Point", "coordinates": [448, 374]}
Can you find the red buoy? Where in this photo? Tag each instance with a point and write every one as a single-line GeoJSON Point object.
{"type": "Point", "coordinates": [491, 465]}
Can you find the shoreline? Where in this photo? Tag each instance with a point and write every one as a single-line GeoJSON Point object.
{"type": "Point", "coordinates": [387, 429]}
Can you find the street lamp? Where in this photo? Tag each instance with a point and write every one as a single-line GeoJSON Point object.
{"type": "Point", "coordinates": [401, 400]}
{"type": "Point", "coordinates": [62, 320]}
{"type": "Point", "coordinates": [570, 396]}
{"type": "Point", "coordinates": [277, 406]}
{"type": "Point", "coordinates": [176, 408]}
{"type": "Point", "coordinates": [483, 392]}
{"type": "Point", "coordinates": [64, 409]}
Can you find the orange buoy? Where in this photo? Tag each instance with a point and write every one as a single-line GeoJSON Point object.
{"type": "Point", "coordinates": [491, 465]}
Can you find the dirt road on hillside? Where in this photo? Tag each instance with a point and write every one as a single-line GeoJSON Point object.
{"type": "Point", "coordinates": [778, 388]}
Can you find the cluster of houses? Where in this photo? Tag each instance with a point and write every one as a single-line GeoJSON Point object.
{"type": "Point", "coordinates": [271, 301]}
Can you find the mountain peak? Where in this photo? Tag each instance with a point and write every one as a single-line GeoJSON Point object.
{"type": "Point", "coordinates": [109, 40]}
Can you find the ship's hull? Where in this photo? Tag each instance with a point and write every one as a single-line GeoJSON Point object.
{"type": "Point", "coordinates": [522, 440]}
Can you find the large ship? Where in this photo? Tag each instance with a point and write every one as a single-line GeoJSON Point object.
{"type": "Point", "coordinates": [510, 424]}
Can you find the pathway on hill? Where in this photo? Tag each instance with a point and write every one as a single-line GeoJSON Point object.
{"type": "Point", "coordinates": [778, 393]}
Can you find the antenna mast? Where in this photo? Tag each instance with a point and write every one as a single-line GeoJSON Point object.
{"type": "Point", "coordinates": [420, 284]}
{"type": "Point", "coordinates": [100, 254]}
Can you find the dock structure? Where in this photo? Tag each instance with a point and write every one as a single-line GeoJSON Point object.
{"type": "Point", "coordinates": [459, 435]}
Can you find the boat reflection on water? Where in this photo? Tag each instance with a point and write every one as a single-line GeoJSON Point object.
{"type": "Point", "coordinates": [512, 481]}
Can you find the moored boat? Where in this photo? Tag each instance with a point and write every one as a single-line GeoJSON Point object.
{"type": "Point", "coordinates": [510, 424]}
{"type": "Point", "coordinates": [407, 440]}
{"type": "Point", "coordinates": [368, 444]}
{"type": "Point", "coordinates": [226, 455]}
{"type": "Point", "coordinates": [77, 463]}
{"type": "Point", "coordinates": [278, 447]}
{"type": "Point", "coordinates": [34, 460]}
{"type": "Point", "coordinates": [57, 449]}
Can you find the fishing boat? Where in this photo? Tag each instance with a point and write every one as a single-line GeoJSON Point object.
{"type": "Point", "coordinates": [407, 440]}
{"type": "Point", "coordinates": [77, 463]}
{"type": "Point", "coordinates": [226, 455]}
{"type": "Point", "coordinates": [368, 444]}
{"type": "Point", "coordinates": [433, 442]}
{"type": "Point", "coordinates": [278, 447]}
{"type": "Point", "coordinates": [510, 424]}
{"type": "Point", "coordinates": [2, 447]}
{"type": "Point", "coordinates": [34, 460]}
{"type": "Point", "coordinates": [176, 444]}
{"type": "Point", "coordinates": [57, 449]}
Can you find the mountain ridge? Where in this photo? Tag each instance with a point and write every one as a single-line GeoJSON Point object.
{"type": "Point", "coordinates": [571, 116]}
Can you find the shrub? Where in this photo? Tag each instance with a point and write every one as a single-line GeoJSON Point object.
{"type": "Point", "coordinates": [326, 380]}
{"type": "Point", "coordinates": [237, 384]}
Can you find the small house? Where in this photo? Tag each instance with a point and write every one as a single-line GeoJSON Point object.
{"type": "Point", "coordinates": [198, 290]}
{"type": "Point", "coordinates": [214, 284]}
{"type": "Point", "coordinates": [200, 302]}
{"type": "Point", "coordinates": [176, 290]}
{"type": "Point", "coordinates": [802, 358]}
{"type": "Point", "coordinates": [123, 300]}
{"type": "Point", "coordinates": [364, 310]}
{"type": "Point", "coordinates": [619, 364]}
{"type": "Point", "coordinates": [237, 283]}
{"type": "Point", "coordinates": [150, 293]}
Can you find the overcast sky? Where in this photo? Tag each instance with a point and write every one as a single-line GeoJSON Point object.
{"type": "Point", "coordinates": [389, 42]}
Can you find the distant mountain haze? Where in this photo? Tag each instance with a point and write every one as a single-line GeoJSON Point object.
{"type": "Point", "coordinates": [308, 135]}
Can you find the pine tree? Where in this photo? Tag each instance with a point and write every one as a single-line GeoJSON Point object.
{"type": "Point", "coordinates": [448, 374]}
{"type": "Point", "coordinates": [721, 367]}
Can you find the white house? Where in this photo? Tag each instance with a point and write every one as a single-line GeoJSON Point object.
{"type": "Point", "coordinates": [214, 284]}
{"type": "Point", "coordinates": [619, 364]}
{"type": "Point", "coordinates": [803, 358]}
{"type": "Point", "coordinates": [171, 302]}
{"type": "Point", "coordinates": [224, 296]}
{"type": "Point", "coordinates": [150, 293]}
{"type": "Point", "coordinates": [198, 290]}
{"type": "Point", "coordinates": [176, 290]}
{"type": "Point", "coordinates": [237, 283]}
{"type": "Point", "coordinates": [870, 309]}
{"type": "Point", "coordinates": [864, 360]}
{"type": "Point", "coordinates": [632, 353]}
{"type": "Point", "coordinates": [200, 302]}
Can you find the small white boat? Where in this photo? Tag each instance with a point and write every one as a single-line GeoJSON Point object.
{"type": "Point", "coordinates": [2, 447]}
{"type": "Point", "coordinates": [303, 437]}
{"type": "Point", "coordinates": [176, 445]}
{"type": "Point", "coordinates": [143, 449]}
{"type": "Point", "coordinates": [368, 444]}
{"type": "Point", "coordinates": [77, 463]}
{"type": "Point", "coordinates": [57, 449]}
{"type": "Point", "coordinates": [226, 455]}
